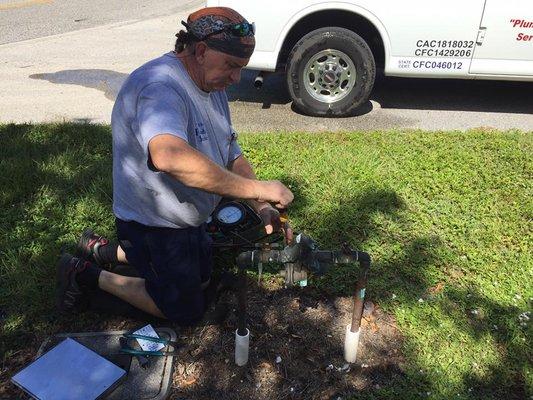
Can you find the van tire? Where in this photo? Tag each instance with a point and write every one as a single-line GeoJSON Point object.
{"type": "Point", "coordinates": [345, 51]}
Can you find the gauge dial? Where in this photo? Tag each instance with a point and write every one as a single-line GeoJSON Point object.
{"type": "Point", "coordinates": [230, 215]}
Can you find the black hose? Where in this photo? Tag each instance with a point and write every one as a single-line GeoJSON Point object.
{"type": "Point", "coordinates": [241, 325]}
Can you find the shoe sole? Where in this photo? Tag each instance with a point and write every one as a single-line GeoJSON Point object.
{"type": "Point", "coordinates": [63, 283]}
{"type": "Point", "coordinates": [83, 242]}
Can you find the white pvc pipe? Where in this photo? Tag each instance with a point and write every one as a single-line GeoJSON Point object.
{"type": "Point", "coordinates": [242, 345]}
{"type": "Point", "coordinates": [351, 343]}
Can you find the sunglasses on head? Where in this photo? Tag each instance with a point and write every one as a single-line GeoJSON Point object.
{"type": "Point", "coordinates": [240, 29]}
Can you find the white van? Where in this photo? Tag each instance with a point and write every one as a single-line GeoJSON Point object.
{"type": "Point", "coordinates": [330, 49]}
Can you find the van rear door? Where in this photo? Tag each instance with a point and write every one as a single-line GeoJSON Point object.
{"type": "Point", "coordinates": [505, 41]}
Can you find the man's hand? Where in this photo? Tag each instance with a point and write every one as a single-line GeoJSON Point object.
{"type": "Point", "coordinates": [272, 222]}
{"type": "Point", "coordinates": [274, 192]}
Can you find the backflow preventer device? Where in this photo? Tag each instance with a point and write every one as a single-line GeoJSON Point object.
{"type": "Point", "coordinates": [235, 226]}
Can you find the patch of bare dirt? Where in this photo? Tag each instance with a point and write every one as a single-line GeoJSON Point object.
{"type": "Point", "coordinates": [296, 350]}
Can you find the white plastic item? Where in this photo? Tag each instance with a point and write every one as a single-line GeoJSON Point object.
{"type": "Point", "coordinates": [351, 343]}
{"type": "Point", "coordinates": [242, 345]}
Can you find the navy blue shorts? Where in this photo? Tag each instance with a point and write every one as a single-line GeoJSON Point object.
{"type": "Point", "coordinates": [174, 263]}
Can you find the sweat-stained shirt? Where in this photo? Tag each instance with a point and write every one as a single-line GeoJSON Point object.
{"type": "Point", "coordinates": [161, 98]}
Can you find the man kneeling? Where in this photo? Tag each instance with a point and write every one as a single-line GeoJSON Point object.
{"type": "Point", "coordinates": [175, 154]}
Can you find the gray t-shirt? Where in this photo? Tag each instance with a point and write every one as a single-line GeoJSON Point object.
{"type": "Point", "coordinates": [161, 98]}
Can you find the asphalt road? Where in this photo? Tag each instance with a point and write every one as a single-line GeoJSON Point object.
{"type": "Point", "coordinates": [76, 73]}
{"type": "Point", "coordinates": [29, 19]}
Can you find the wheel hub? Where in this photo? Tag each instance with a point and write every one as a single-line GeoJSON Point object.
{"type": "Point", "coordinates": [329, 75]}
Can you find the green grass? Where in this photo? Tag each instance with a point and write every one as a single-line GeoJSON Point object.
{"type": "Point", "coordinates": [446, 216]}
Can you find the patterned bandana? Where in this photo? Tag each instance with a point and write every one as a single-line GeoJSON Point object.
{"type": "Point", "coordinates": [217, 27]}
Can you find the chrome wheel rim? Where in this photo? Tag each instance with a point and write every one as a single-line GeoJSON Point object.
{"type": "Point", "coordinates": [329, 75]}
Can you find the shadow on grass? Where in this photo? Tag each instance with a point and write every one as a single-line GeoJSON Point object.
{"type": "Point", "coordinates": [55, 179]}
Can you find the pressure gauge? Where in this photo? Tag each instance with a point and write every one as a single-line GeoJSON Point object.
{"type": "Point", "coordinates": [229, 214]}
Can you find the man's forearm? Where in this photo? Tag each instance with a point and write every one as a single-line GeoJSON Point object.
{"type": "Point", "coordinates": [194, 169]}
{"type": "Point", "coordinates": [202, 173]}
{"type": "Point", "coordinates": [175, 157]}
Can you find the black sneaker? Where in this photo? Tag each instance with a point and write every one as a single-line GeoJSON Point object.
{"type": "Point", "coordinates": [88, 246]}
{"type": "Point", "coordinates": [70, 297]}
